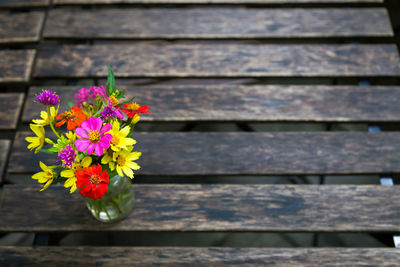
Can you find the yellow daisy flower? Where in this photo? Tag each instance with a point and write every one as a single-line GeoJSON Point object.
{"type": "Point", "coordinates": [38, 141]}
{"type": "Point", "coordinates": [46, 176]}
{"type": "Point", "coordinates": [71, 174]}
{"type": "Point", "coordinates": [123, 162]}
{"type": "Point", "coordinates": [108, 157]}
{"type": "Point", "coordinates": [45, 117]}
{"type": "Point", "coordinates": [119, 140]}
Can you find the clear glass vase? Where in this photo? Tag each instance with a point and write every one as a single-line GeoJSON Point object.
{"type": "Point", "coordinates": [116, 204]}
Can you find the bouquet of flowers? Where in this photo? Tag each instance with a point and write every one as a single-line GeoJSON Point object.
{"type": "Point", "coordinates": [92, 140]}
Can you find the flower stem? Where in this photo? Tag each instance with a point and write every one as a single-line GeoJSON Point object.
{"type": "Point", "coordinates": [51, 123]}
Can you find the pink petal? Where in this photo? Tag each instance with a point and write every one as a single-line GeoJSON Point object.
{"type": "Point", "coordinates": [96, 123]}
{"type": "Point", "coordinates": [119, 114]}
{"type": "Point", "coordinates": [82, 144]}
{"type": "Point", "coordinates": [104, 143]}
{"type": "Point", "coordinates": [90, 149]}
{"type": "Point", "coordinates": [98, 150]}
{"type": "Point", "coordinates": [106, 128]}
{"type": "Point", "coordinates": [80, 132]}
{"type": "Point", "coordinates": [85, 126]}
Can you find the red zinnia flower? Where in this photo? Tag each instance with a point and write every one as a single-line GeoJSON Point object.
{"type": "Point", "coordinates": [92, 181]}
{"type": "Point", "coordinates": [74, 117]}
{"type": "Point", "coordinates": [132, 109]}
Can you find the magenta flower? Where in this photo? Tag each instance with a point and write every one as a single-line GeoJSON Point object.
{"type": "Point", "coordinates": [93, 136]}
{"type": "Point", "coordinates": [82, 96]}
{"type": "Point", "coordinates": [48, 98]}
{"type": "Point", "coordinates": [67, 156]}
{"type": "Point", "coordinates": [89, 95]}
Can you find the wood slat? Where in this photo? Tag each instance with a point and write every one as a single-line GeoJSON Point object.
{"type": "Point", "coordinates": [251, 103]}
{"type": "Point", "coordinates": [11, 105]}
{"type": "Point", "coordinates": [4, 150]}
{"type": "Point", "coordinates": [23, 3]}
{"type": "Point", "coordinates": [217, 23]}
{"type": "Point", "coordinates": [16, 65]}
{"type": "Point", "coordinates": [20, 27]}
{"type": "Point", "coordinates": [173, 256]}
{"type": "Point", "coordinates": [91, 2]}
{"type": "Point", "coordinates": [249, 153]}
{"type": "Point", "coordinates": [194, 207]}
{"type": "Point", "coordinates": [217, 60]}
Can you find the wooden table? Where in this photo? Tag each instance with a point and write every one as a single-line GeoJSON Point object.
{"type": "Point", "coordinates": [240, 62]}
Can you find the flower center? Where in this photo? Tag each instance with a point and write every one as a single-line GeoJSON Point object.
{"type": "Point", "coordinates": [94, 136]}
{"type": "Point", "coordinates": [68, 115]}
{"type": "Point", "coordinates": [49, 174]}
{"type": "Point", "coordinates": [133, 107]}
{"type": "Point", "coordinates": [121, 160]}
{"type": "Point", "coordinates": [114, 100]}
{"type": "Point", "coordinates": [115, 140]}
{"type": "Point", "coordinates": [95, 179]}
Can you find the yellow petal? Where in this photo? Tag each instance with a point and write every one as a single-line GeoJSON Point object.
{"type": "Point", "coordinates": [43, 166]}
{"type": "Point", "coordinates": [67, 173]}
{"type": "Point", "coordinates": [86, 161]}
{"type": "Point", "coordinates": [38, 175]}
{"type": "Point", "coordinates": [128, 171]}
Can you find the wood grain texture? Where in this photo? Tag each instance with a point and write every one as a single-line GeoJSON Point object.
{"type": "Point", "coordinates": [90, 2]}
{"type": "Point", "coordinates": [4, 150]}
{"type": "Point", "coordinates": [194, 207]}
{"type": "Point", "coordinates": [23, 3]}
{"type": "Point", "coordinates": [248, 153]}
{"type": "Point", "coordinates": [16, 65]}
{"type": "Point", "coordinates": [217, 60]}
{"type": "Point", "coordinates": [251, 103]}
{"type": "Point", "coordinates": [216, 23]}
{"type": "Point", "coordinates": [173, 256]}
{"type": "Point", "coordinates": [11, 106]}
{"type": "Point", "coordinates": [20, 27]}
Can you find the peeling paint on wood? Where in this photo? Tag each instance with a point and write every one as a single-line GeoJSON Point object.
{"type": "Point", "coordinates": [249, 153]}
{"type": "Point", "coordinates": [193, 207]}
{"type": "Point", "coordinates": [4, 150]}
{"type": "Point", "coordinates": [16, 65]}
{"type": "Point", "coordinates": [20, 27]}
{"type": "Point", "coordinates": [251, 103]}
{"type": "Point", "coordinates": [11, 105]}
{"type": "Point", "coordinates": [79, 2]}
{"type": "Point", "coordinates": [216, 23]}
{"type": "Point", "coordinates": [217, 60]}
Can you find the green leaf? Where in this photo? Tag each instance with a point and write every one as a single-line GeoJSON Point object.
{"type": "Point", "coordinates": [70, 104]}
{"type": "Point", "coordinates": [110, 85]}
{"type": "Point", "coordinates": [47, 151]}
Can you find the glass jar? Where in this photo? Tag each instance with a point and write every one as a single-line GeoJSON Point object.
{"type": "Point", "coordinates": [116, 204]}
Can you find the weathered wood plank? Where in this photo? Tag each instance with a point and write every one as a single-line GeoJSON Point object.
{"type": "Point", "coordinates": [173, 256]}
{"type": "Point", "coordinates": [217, 60]}
{"type": "Point", "coordinates": [252, 103]}
{"type": "Point", "coordinates": [249, 153]}
{"type": "Point", "coordinates": [4, 150]}
{"type": "Point", "coordinates": [217, 23]}
{"type": "Point", "coordinates": [89, 2]}
{"type": "Point", "coordinates": [11, 105]}
{"type": "Point", "coordinates": [194, 207]}
{"type": "Point", "coordinates": [23, 3]}
{"type": "Point", "coordinates": [20, 27]}
{"type": "Point", "coordinates": [16, 65]}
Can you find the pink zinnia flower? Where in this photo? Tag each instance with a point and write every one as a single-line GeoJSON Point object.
{"type": "Point", "coordinates": [89, 95]}
{"type": "Point", "coordinates": [93, 136]}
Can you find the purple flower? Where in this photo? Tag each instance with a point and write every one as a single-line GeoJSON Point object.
{"type": "Point", "coordinates": [67, 156]}
{"type": "Point", "coordinates": [111, 112]}
{"type": "Point", "coordinates": [48, 98]}
{"type": "Point", "coordinates": [93, 136]}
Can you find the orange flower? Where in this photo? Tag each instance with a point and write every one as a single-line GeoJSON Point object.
{"type": "Point", "coordinates": [74, 118]}
{"type": "Point", "coordinates": [132, 109]}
